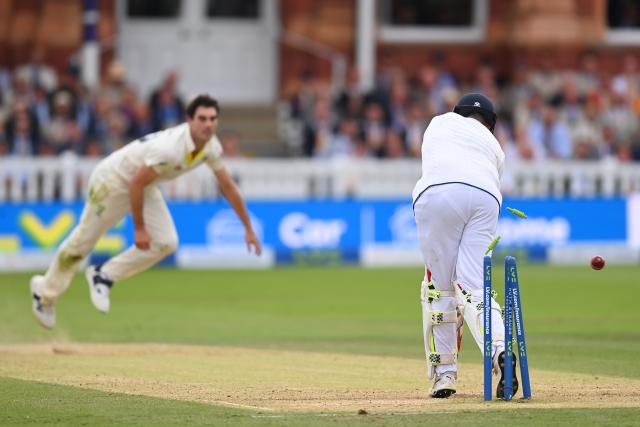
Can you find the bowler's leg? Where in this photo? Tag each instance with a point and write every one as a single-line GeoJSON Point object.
{"type": "Point", "coordinates": [164, 240]}
{"type": "Point", "coordinates": [94, 222]}
{"type": "Point", "coordinates": [99, 214]}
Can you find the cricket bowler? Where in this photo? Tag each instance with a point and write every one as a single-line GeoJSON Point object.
{"type": "Point", "coordinates": [126, 181]}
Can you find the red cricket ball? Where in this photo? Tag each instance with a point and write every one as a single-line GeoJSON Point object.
{"type": "Point", "coordinates": [597, 262]}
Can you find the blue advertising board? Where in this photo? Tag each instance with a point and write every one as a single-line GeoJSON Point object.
{"type": "Point", "coordinates": [319, 231]}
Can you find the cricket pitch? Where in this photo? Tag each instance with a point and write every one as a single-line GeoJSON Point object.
{"type": "Point", "coordinates": [274, 381]}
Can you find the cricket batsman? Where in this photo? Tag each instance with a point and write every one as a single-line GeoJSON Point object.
{"type": "Point", "coordinates": [126, 181]}
{"type": "Point", "coordinates": [456, 205]}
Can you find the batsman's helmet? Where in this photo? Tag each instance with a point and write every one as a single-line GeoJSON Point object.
{"type": "Point", "coordinates": [471, 103]}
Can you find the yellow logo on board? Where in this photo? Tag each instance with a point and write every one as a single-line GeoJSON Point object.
{"type": "Point", "coordinates": [47, 236]}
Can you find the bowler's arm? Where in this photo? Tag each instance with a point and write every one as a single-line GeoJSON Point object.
{"type": "Point", "coordinates": [144, 176]}
{"type": "Point", "coordinates": [232, 194]}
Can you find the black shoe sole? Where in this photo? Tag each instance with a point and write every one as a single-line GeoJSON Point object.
{"type": "Point", "coordinates": [500, 388]}
{"type": "Point", "coordinates": [443, 394]}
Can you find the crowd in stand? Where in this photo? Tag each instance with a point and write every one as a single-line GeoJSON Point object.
{"type": "Point", "coordinates": [544, 112]}
{"type": "Point", "coordinates": [43, 113]}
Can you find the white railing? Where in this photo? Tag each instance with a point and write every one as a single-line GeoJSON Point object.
{"type": "Point", "coordinates": [66, 177]}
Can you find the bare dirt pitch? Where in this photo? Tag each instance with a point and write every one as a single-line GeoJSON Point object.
{"type": "Point", "coordinates": [289, 381]}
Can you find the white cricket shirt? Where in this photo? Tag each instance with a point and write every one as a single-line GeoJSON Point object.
{"type": "Point", "coordinates": [457, 149]}
{"type": "Point", "coordinates": [168, 152]}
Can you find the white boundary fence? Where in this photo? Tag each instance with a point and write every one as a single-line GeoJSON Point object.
{"type": "Point", "coordinates": [65, 178]}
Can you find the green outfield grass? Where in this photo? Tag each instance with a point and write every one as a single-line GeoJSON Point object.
{"type": "Point", "coordinates": [577, 320]}
{"type": "Point", "coordinates": [44, 404]}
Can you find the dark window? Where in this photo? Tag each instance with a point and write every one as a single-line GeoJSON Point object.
{"type": "Point", "coordinates": [623, 14]}
{"type": "Point", "coordinates": [449, 13]}
{"type": "Point", "coordinates": [153, 8]}
{"type": "Point", "coordinates": [237, 9]}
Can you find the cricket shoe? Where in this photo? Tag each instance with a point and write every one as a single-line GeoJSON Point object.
{"type": "Point", "coordinates": [501, 368]}
{"type": "Point", "coordinates": [444, 385]}
{"type": "Point", "coordinates": [99, 287]}
{"type": "Point", "coordinates": [45, 312]}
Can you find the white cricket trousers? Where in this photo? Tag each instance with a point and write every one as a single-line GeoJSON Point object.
{"type": "Point", "coordinates": [456, 223]}
{"type": "Point", "coordinates": [107, 203]}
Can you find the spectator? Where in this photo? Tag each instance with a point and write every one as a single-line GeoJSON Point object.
{"type": "Point", "coordinates": [486, 81]}
{"type": "Point", "coordinates": [546, 81]}
{"type": "Point", "coordinates": [4, 146]}
{"type": "Point", "coordinates": [607, 146]}
{"type": "Point", "coordinates": [129, 104]}
{"type": "Point", "coordinates": [350, 100]}
{"type": "Point", "coordinates": [524, 147]}
{"type": "Point", "coordinates": [110, 129]}
{"type": "Point", "coordinates": [115, 83]}
{"type": "Point", "coordinates": [93, 148]}
{"type": "Point", "coordinates": [317, 132]}
{"type": "Point", "coordinates": [374, 129]}
{"type": "Point", "coordinates": [624, 154]}
{"type": "Point", "coordinates": [36, 72]}
{"type": "Point", "coordinates": [429, 87]}
{"type": "Point", "coordinates": [5, 84]}
{"type": "Point", "coordinates": [635, 149]}
{"type": "Point", "coordinates": [444, 78]}
{"type": "Point", "coordinates": [629, 79]}
{"type": "Point", "coordinates": [588, 76]}
{"type": "Point", "coordinates": [585, 145]}
{"type": "Point", "coordinates": [398, 102]}
{"type": "Point", "coordinates": [361, 151]}
{"type": "Point", "coordinates": [591, 123]}
{"type": "Point", "coordinates": [450, 97]}
{"type": "Point", "coordinates": [550, 136]}
{"type": "Point", "coordinates": [571, 101]}
{"type": "Point", "coordinates": [304, 99]}
{"type": "Point", "coordinates": [117, 131]}
{"type": "Point", "coordinates": [40, 106]}
{"type": "Point", "coordinates": [386, 72]}
{"type": "Point", "coordinates": [22, 132]}
{"type": "Point", "coordinates": [504, 137]}
{"type": "Point", "coordinates": [511, 153]}
{"type": "Point", "coordinates": [343, 142]}
{"type": "Point", "coordinates": [619, 115]}
{"type": "Point", "coordinates": [84, 109]}
{"type": "Point", "coordinates": [167, 108]}
{"type": "Point", "coordinates": [394, 147]}
{"type": "Point", "coordinates": [99, 128]}
{"type": "Point", "coordinates": [514, 96]}
{"type": "Point", "coordinates": [62, 132]}
{"type": "Point", "coordinates": [230, 141]}
{"type": "Point", "coordinates": [416, 125]}
{"type": "Point", "coordinates": [20, 90]}
{"type": "Point", "coordinates": [69, 84]}
{"type": "Point", "coordinates": [142, 123]}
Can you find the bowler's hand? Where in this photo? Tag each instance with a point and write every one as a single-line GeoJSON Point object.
{"type": "Point", "coordinates": [252, 241]}
{"type": "Point", "coordinates": [142, 239]}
